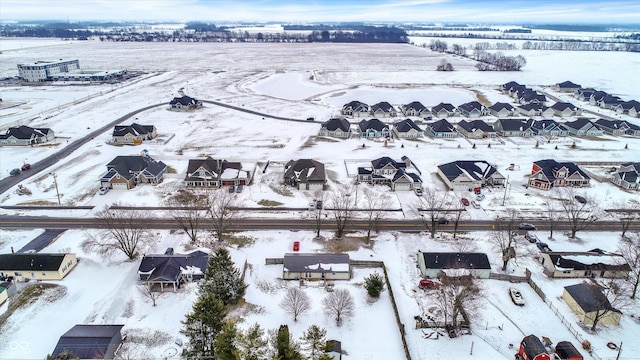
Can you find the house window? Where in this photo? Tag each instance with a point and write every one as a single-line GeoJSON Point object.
{"type": "Point", "coordinates": [18, 273]}
{"type": "Point", "coordinates": [567, 272]}
{"type": "Point", "coordinates": [44, 273]}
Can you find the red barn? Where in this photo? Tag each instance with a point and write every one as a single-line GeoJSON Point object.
{"type": "Point", "coordinates": [531, 348]}
{"type": "Point", "coordinates": [566, 351]}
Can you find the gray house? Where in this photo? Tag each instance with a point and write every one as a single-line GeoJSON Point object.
{"type": "Point", "coordinates": [185, 103]}
{"type": "Point", "coordinates": [133, 134]}
{"type": "Point", "coordinates": [355, 109]}
{"type": "Point", "coordinates": [312, 266]}
{"type": "Point", "coordinates": [450, 264]}
{"type": "Point", "coordinates": [444, 110]}
{"type": "Point", "coordinates": [406, 129]}
{"type": "Point", "coordinates": [475, 129]}
{"type": "Point", "coordinates": [513, 127]}
{"type": "Point", "coordinates": [306, 174]}
{"type": "Point", "coordinates": [582, 127]}
{"type": "Point", "coordinates": [171, 269]}
{"type": "Point", "coordinates": [466, 175]}
{"type": "Point", "coordinates": [214, 173]}
{"type": "Point", "coordinates": [339, 128]}
{"type": "Point", "coordinates": [627, 176]}
{"type": "Point", "coordinates": [125, 172]}
{"type": "Point", "coordinates": [373, 129]}
{"type": "Point", "coordinates": [502, 109]}
{"type": "Point", "coordinates": [414, 108]}
{"type": "Point", "coordinates": [25, 136]}
{"type": "Point", "coordinates": [442, 129]}
{"type": "Point", "coordinates": [90, 342]}
{"type": "Point", "coordinates": [586, 264]}
{"type": "Point", "coordinates": [396, 174]}
{"type": "Point", "coordinates": [383, 110]}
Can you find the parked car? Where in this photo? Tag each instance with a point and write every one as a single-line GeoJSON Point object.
{"type": "Point", "coordinates": [443, 221]}
{"type": "Point", "coordinates": [310, 119]}
{"type": "Point", "coordinates": [232, 189]}
{"type": "Point", "coordinates": [25, 167]}
{"type": "Point", "coordinates": [428, 284]}
{"type": "Point", "coordinates": [480, 197]}
{"type": "Point", "coordinates": [418, 191]}
{"type": "Point", "coordinates": [516, 296]}
{"type": "Point", "coordinates": [580, 199]}
{"type": "Point", "coordinates": [531, 237]}
{"type": "Point", "coordinates": [296, 246]}
{"type": "Point", "coordinates": [465, 201]}
{"type": "Point", "coordinates": [475, 204]}
{"type": "Point", "coordinates": [543, 246]}
{"type": "Point", "coordinates": [14, 172]}
{"type": "Point", "coordinates": [526, 226]}
{"type": "Point", "coordinates": [239, 188]}
{"type": "Point", "coordinates": [103, 190]}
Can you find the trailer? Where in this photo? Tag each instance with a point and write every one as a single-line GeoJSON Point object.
{"type": "Point", "coordinates": [531, 348]}
{"type": "Point", "coordinates": [566, 351]}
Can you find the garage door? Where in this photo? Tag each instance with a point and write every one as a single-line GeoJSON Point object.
{"type": "Point", "coordinates": [403, 187]}
{"type": "Point", "coordinates": [315, 186]}
{"type": "Point", "coordinates": [121, 186]}
{"type": "Point", "coordinates": [461, 187]}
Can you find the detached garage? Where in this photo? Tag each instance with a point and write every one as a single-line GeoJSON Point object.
{"type": "Point", "coordinates": [316, 267]}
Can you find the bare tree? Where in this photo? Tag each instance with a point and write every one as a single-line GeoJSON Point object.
{"type": "Point", "coordinates": [606, 298]}
{"type": "Point", "coordinates": [628, 215]}
{"type": "Point", "coordinates": [125, 231]}
{"type": "Point", "coordinates": [189, 209]}
{"type": "Point", "coordinates": [320, 199]}
{"type": "Point", "coordinates": [629, 248]}
{"type": "Point", "coordinates": [552, 214]}
{"type": "Point", "coordinates": [431, 208]}
{"type": "Point", "coordinates": [374, 203]}
{"type": "Point", "coordinates": [342, 206]}
{"type": "Point", "coordinates": [295, 302]}
{"type": "Point", "coordinates": [339, 304]}
{"type": "Point", "coordinates": [221, 208]}
{"type": "Point", "coordinates": [454, 301]}
{"type": "Point", "coordinates": [503, 237]}
{"type": "Point", "coordinates": [147, 291]}
{"type": "Point", "coordinates": [579, 214]}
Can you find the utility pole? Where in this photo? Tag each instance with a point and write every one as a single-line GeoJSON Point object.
{"type": "Point", "coordinates": [55, 182]}
{"type": "Point", "coordinates": [506, 184]}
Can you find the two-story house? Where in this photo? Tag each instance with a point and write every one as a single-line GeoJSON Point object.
{"type": "Point", "coordinates": [549, 173]}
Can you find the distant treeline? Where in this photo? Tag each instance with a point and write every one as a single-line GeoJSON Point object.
{"type": "Point", "coordinates": [362, 34]}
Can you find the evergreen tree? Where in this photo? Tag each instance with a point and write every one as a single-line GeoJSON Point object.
{"type": "Point", "coordinates": [285, 350]}
{"type": "Point", "coordinates": [252, 344]}
{"type": "Point", "coordinates": [223, 279]}
{"type": "Point", "coordinates": [225, 344]}
{"type": "Point", "coordinates": [65, 355]}
{"type": "Point", "coordinates": [202, 325]}
{"type": "Point", "coordinates": [374, 284]}
{"type": "Point", "coordinates": [314, 341]}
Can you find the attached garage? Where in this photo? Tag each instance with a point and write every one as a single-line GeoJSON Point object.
{"type": "Point", "coordinates": [119, 186]}
{"type": "Point", "coordinates": [315, 186]}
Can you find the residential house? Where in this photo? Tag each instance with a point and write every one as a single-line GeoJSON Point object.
{"type": "Point", "coordinates": [414, 108]}
{"type": "Point", "coordinates": [444, 110]}
{"type": "Point", "coordinates": [609, 102]}
{"type": "Point", "coordinates": [434, 265]}
{"type": "Point", "coordinates": [185, 103]}
{"type": "Point", "coordinates": [333, 349]}
{"type": "Point", "coordinates": [355, 109]}
{"type": "Point", "coordinates": [125, 172]}
{"type": "Point", "coordinates": [597, 97]}
{"type": "Point", "coordinates": [582, 127]}
{"type": "Point", "coordinates": [383, 110]}
{"type": "Point", "coordinates": [472, 109]}
{"type": "Point", "coordinates": [567, 87]}
{"type": "Point", "coordinates": [627, 176]}
{"type": "Point", "coordinates": [26, 136]}
{"type": "Point", "coordinates": [170, 269]}
{"type": "Point", "coordinates": [339, 128]}
{"type": "Point", "coordinates": [37, 266]}
{"type": "Point", "coordinates": [530, 96]}
{"type": "Point", "coordinates": [442, 129]}
{"type": "Point", "coordinates": [373, 129]}
{"type": "Point", "coordinates": [406, 129]}
{"type": "Point", "coordinates": [306, 174]}
{"type": "Point", "coordinates": [565, 109]}
{"type": "Point", "coordinates": [631, 108]}
{"type": "Point", "coordinates": [584, 94]}
{"type": "Point", "coordinates": [586, 264]}
{"type": "Point", "coordinates": [588, 302]}
{"type": "Point", "coordinates": [7, 289]}
{"type": "Point", "coordinates": [547, 127]}
{"type": "Point", "coordinates": [133, 134]}
{"type": "Point", "coordinates": [387, 171]}
{"type": "Point", "coordinates": [502, 109]}
{"type": "Point", "coordinates": [548, 173]}
{"type": "Point", "coordinates": [467, 175]}
{"type": "Point", "coordinates": [214, 173]}
{"type": "Point", "coordinates": [507, 88]}
{"type": "Point", "coordinates": [316, 266]}
{"type": "Point", "coordinates": [90, 341]}
{"type": "Point", "coordinates": [513, 127]}
{"type": "Point", "coordinates": [618, 127]}
{"type": "Point", "coordinates": [475, 129]}
{"type": "Point", "coordinates": [532, 109]}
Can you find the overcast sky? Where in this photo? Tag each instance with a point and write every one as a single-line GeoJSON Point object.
{"type": "Point", "coordinates": [301, 11]}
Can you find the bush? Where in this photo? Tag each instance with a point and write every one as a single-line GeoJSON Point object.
{"type": "Point", "coordinates": [374, 284]}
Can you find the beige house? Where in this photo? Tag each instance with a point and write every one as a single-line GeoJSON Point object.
{"type": "Point", "coordinates": [434, 265]}
{"type": "Point", "coordinates": [311, 266]}
{"type": "Point", "coordinates": [589, 303]}
{"type": "Point", "coordinates": [587, 264]}
{"type": "Point", "coordinates": [37, 266]}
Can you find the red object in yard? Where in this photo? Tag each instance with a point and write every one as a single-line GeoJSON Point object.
{"type": "Point", "coordinates": [26, 167]}
{"type": "Point", "coordinates": [296, 245]}
{"type": "Point", "coordinates": [428, 284]}
{"type": "Point", "coordinates": [465, 202]}
{"type": "Point", "coordinates": [531, 348]}
{"type": "Point", "coordinates": [477, 190]}
{"type": "Point", "coordinates": [566, 350]}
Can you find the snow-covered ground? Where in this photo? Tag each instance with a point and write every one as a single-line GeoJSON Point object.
{"type": "Point", "coordinates": [299, 81]}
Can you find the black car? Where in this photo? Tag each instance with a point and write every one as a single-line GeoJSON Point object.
{"type": "Point", "coordinates": [580, 199]}
{"type": "Point", "coordinates": [526, 226]}
{"type": "Point", "coordinates": [443, 221]}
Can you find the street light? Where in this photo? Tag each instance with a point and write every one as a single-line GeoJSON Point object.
{"type": "Point", "coordinates": [55, 182]}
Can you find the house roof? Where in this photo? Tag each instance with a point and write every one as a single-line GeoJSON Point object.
{"type": "Point", "coordinates": [545, 124]}
{"type": "Point", "coordinates": [566, 350]}
{"type": "Point", "coordinates": [88, 341]}
{"type": "Point", "coordinates": [415, 105]}
{"type": "Point", "coordinates": [442, 126]}
{"type": "Point", "coordinates": [184, 100]}
{"type": "Point", "coordinates": [474, 169]}
{"type": "Point", "coordinates": [616, 124]}
{"type": "Point", "coordinates": [532, 346]}
{"type": "Point", "coordinates": [25, 132]}
{"type": "Point", "coordinates": [165, 267]}
{"type": "Point", "coordinates": [335, 123]}
{"type": "Point", "coordinates": [406, 125]}
{"type": "Point", "coordinates": [379, 163]}
{"type": "Point", "coordinates": [514, 124]}
{"type": "Point", "coordinates": [510, 85]}
{"type": "Point", "coordinates": [531, 95]}
{"type": "Point", "coordinates": [578, 123]}
{"type": "Point", "coordinates": [443, 106]}
{"type": "Point", "coordinates": [353, 105]}
{"type": "Point", "coordinates": [312, 262]}
{"type": "Point", "coordinates": [305, 170]}
{"type": "Point", "coordinates": [590, 260]}
{"type": "Point", "coordinates": [568, 85]}
{"type": "Point", "coordinates": [382, 106]}
{"type": "Point", "coordinates": [474, 125]}
{"type": "Point", "coordinates": [589, 297]}
{"type": "Point", "coordinates": [470, 106]}
{"type": "Point", "coordinates": [631, 104]}
{"type": "Point", "coordinates": [550, 167]}
{"type": "Point", "coordinates": [499, 106]}
{"type": "Point", "coordinates": [452, 260]}
{"type": "Point", "coordinates": [134, 129]}
{"type": "Point", "coordinates": [129, 166]}
{"type": "Point", "coordinates": [374, 124]}
{"type": "Point", "coordinates": [31, 262]}
{"type": "Point", "coordinates": [215, 167]}
{"type": "Point", "coordinates": [561, 106]}
{"type": "Point", "coordinates": [533, 106]}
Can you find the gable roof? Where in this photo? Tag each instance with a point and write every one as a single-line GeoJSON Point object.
{"type": "Point", "coordinates": [561, 106]}
{"type": "Point", "coordinates": [335, 123]}
{"type": "Point", "coordinates": [514, 124]}
{"type": "Point", "coordinates": [589, 297]}
{"type": "Point", "coordinates": [568, 85]}
{"type": "Point", "coordinates": [471, 106]}
{"type": "Point", "coordinates": [31, 262]}
{"type": "Point", "coordinates": [415, 105]}
{"type": "Point", "coordinates": [379, 163]}
{"type": "Point", "coordinates": [406, 125]}
{"type": "Point", "coordinates": [305, 170]}
{"type": "Point", "coordinates": [474, 169]}
{"type": "Point", "coordinates": [579, 123]}
{"type": "Point", "coordinates": [374, 124]}
{"type": "Point", "coordinates": [214, 166]}
{"type": "Point", "coordinates": [88, 341]}
{"type": "Point", "coordinates": [129, 166]}
{"type": "Point", "coordinates": [355, 104]}
{"type": "Point", "coordinates": [185, 101]}
{"type": "Point", "coordinates": [382, 106]}
{"type": "Point", "coordinates": [550, 167]}
{"type": "Point", "coordinates": [25, 132]}
{"type": "Point", "coordinates": [134, 129]}
{"type": "Point", "coordinates": [545, 124]}
{"type": "Point", "coordinates": [168, 267]}
{"type": "Point", "coordinates": [510, 85]}
{"type": "Point", "coordinates": [474, 125]}
{"type": "Point", "coordinates": [616, 124]}
{"type": "Point", "coordinates": [533, 106]}
{"type": "Point", "coordinates": [442, 126]}
{"type": "Point", "coordinates": [499, 106]}
{"type": "Point", "coordinates": [452, 260]}
{"type": "Point", "coordinates": [631, 104]}
{"type": "Point", "coordinates": [590, 260]}
{"type": "Point", "coordinates": [443, 106]}
{"type": "Point", "coordinates": [313, 262]}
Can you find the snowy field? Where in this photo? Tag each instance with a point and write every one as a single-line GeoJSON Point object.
{"type": "Point", "coordinates": [298, 81]}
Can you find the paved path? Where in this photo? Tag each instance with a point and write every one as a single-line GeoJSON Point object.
{"type": "Point", "coordinates": [42, 241]}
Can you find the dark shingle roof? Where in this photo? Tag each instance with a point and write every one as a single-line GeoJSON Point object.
{"type": "Point", "coordinates": [126, 166]}
{"type": "Point", "coordinates": [165, 267]}
{"type": "Point", "coordinates": [301, 262]}
{"type": "Point", "coordinates": [24, 132]}
{"type": "Point", "coordinates": [382, 106]}
{"type": "Point", "coordinates": [568, 85]}
{"type": "Point", "coordinates": [88, 341]}
{"type": "Point", "coordinates": [31, 262]}
{"type": "Point", "coordinates": [589, 297]}
{"type": "Point", "coordinates": [514, 124]}
{"type": "Point", "coordinates": [406, 125]}
{"type": "Point", "coordinates": [305, 170]}
{"type": "Point", "coordinates": [372, 124]}
{"type": "Point", "coordinates": [415, 105]}
{"type": "Point", "coordinates": [474, 125]}
{"type": "Point", "coordinates": [561, 106]}
{"type": "Point", "coordinates": [379, 163]}
{"type": "Point", "coordinates": [563, 260]}
{"type": "Point", "coordinates": [452, 260]}
{"type": "Point", "coordinates": [184, 100]}
{"type": "Point", "coordinates": [470, 106]}
{"type": "Point", "coordinates": [499, 106]}
{"type": "Point", "coordinates": [443, 106]}
{"type": "Point", "coordinates": [476, 169]}
{"type": "Point", "coordinates": [578, 123]}
{"type": "Point", "coordinates": [442, 126]}
{"type": "Point", "coordinates": [135, 129]}
{"type": "Point", "coordinates": [550, 167]}
{"type": "Point", "coordinates": [335, 123]}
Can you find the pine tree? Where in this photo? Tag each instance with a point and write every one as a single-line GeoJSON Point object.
{"type": "Point", "coordinates": [374, 284]}
{"type": "Point", "coordinates": [252, 344]}
{"type": "Point", "coordinates": [285, 349]}
{"type": "Point", "coordinates": [202, 325]}
{"type": "Point", "coordinates": [223, 279]}
{"type": "Point", "coordinates": [314, 341]}
{"type": "Point", "coordinates": [225, 344]}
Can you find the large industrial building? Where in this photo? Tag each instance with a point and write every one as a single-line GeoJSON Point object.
{"type": "Point", "coordinates": [63, 70]}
